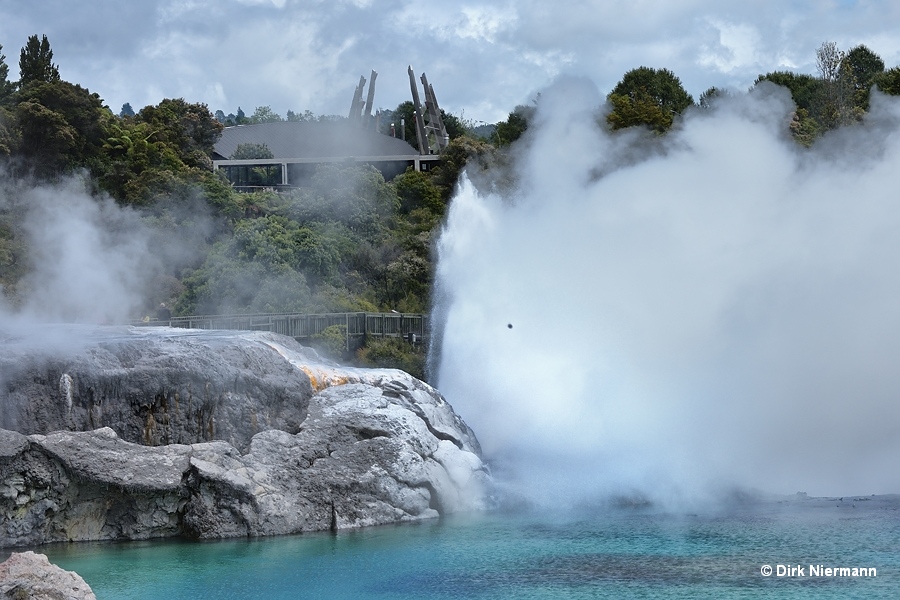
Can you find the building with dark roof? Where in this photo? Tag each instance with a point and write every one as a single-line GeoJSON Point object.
{"type": "Point", "coordinates": [297, 147]}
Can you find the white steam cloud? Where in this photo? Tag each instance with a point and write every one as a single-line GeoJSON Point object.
{"type": "Point", "coordinates": [92, 261]}
{"type": "Point", "coordinates": [717, 308]}
{"type": "Point", "coordinates": [85, 259]}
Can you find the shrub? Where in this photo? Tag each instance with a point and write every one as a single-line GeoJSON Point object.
{"type": "Point", "coordinates": [393, 353]}
{"type": "Point", "coordinates": [332, 341]}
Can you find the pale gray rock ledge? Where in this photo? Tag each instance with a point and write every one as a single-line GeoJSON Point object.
{"type": "Point", "coordinates": [362, 447]}
{"type": "Point", "coordinates": [30, 575]}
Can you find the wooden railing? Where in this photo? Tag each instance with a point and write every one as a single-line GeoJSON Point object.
{"type": "Point", "coordinates": [302, 327]}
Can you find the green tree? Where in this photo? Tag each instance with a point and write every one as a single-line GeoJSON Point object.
{"type": "Point", "coordinates": [62, 127]}
{"type": "Point", "coordinates": [462, 151]}
{"type": "Point", "coordinates": [305, 116]}
{"type": "Point", "coordinates": [8, 137]}
{"type": "Point", "coordinates": [708, 98]}
{"type": "Point", "coordinates": [262, 267]}
{"type": "Point", "coordinates": [453, 125]}
{"type": "Point", "coordinates": [189, 129]}
{"type": "Point", "coordinates": [47, 139]}
{"type": "Point", "coordinates": [865, 66]}
{"type": "Point", "coordinates": [357, 197]}
{"type": "Point", "coordinates": [804, 88]}
{"type": "Point", "coordinates": [7, 87]}
{"type": "Point", "coordinates": [126, 111]}
{"type": "Point", "coordinates": [416, 190]}
{"type": "Point", "coordinates": [834, 105]}
{"type": "Point", "coordinates": [164, 152]}
{"type": "Point", "coordinates": [647, 96]}
{"type": "Point", "coordinates": [804, 128]}
{"type": "Point", "coordinates": [225, 284]}
{"type": "Point", "coordinates": [134, 157]}
{"type": "Point", "coordinates": [838, 96]}
{"type": "Point", "coordinates": [36, 62]}
{"type": "Point", "coordinates": [638, 109]}
{"type": "Point", "coordinates": [13, 253]}
{"type": "Point", "coordinates": [888, 81]}
{"type": "Point", "coordinates": [250, 151]}
{"type": "Point", "coordinates": [806, 91]}
{"type": "Point", "coordinates": [404, 122]}
{"type": "Point", "coordinates": [264, 114]}
{"type": "Point", "coordinates": [508, 131]}
{"type": "Point", "coordinates": [267, 265]}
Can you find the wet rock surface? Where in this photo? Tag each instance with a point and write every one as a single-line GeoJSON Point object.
{"type": "Point", "coordinates": [329, 447]}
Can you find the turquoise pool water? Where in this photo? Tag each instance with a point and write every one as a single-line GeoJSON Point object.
{"type": "Point", "coordinates": [614, 553]}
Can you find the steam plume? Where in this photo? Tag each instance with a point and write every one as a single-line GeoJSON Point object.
{"type": "Point", "coordinates": [716, 308]}
{"type": "Point", "coordinates": [86, 259]}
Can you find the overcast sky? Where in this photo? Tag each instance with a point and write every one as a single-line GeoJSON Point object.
{"type": "Point", "coordinates": [482, 58]}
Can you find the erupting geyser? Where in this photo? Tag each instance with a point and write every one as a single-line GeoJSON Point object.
{"type": "Point", "coordinates": [711, 309]}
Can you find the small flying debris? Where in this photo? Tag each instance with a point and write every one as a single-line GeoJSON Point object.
{"type": "Point", "coordinates": [509, 325]}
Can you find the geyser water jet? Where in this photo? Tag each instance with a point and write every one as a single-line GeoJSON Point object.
{"type": "Point", "coordinates": [712, 309]}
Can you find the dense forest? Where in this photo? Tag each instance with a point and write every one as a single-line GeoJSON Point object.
{"type": "Point", "coordinates": [349, 240]}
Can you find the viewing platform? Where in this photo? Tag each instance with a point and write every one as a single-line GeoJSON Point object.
{"type": "Point", "coordinates": [303, 327]}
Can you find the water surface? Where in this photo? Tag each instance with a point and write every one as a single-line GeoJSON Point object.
{"type": "Point", "coordinates": [616, 553]}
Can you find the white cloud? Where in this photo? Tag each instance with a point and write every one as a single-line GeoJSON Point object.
{"type": "Point", "coordinates": [485, 56]}
{"type": "Point", "coordinates": [484, 23]}
{"type": "Point", "coordinates": [737, 46]}
{"type": "Point", "coordinates": [276, 3]}
{"type": "Point", "coordinates": [173, 10]}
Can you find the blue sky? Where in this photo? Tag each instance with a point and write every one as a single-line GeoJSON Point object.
{"type": "Point", "coordinates": [482, 57]}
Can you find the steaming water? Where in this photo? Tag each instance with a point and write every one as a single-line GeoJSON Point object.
{"type": "Point", "coordinates": [676, 317]}
{"type": "Point", "coordinates": [623, 553]}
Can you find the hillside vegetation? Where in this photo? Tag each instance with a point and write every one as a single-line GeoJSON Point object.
{"type": "Point", "coordinates": [347, 241]}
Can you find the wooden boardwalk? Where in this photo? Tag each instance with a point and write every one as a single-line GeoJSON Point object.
{"type": "Point", "coordinates": [302, 327]}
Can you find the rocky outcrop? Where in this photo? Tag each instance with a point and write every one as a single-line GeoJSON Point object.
{"type": "Point", "coordinates": [30, 575]}
{"type": "Point", "coordinates": [374, 446]}
{"type": "Point", "coordinates": [87, 486]}
{"type": "Point", "coordinates": [182, 387]}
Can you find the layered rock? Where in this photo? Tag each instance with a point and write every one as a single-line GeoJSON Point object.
{"type": "Point", "coordinates": [373, 446]}
{"type": "Point", "coordinates": [153, 388]}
